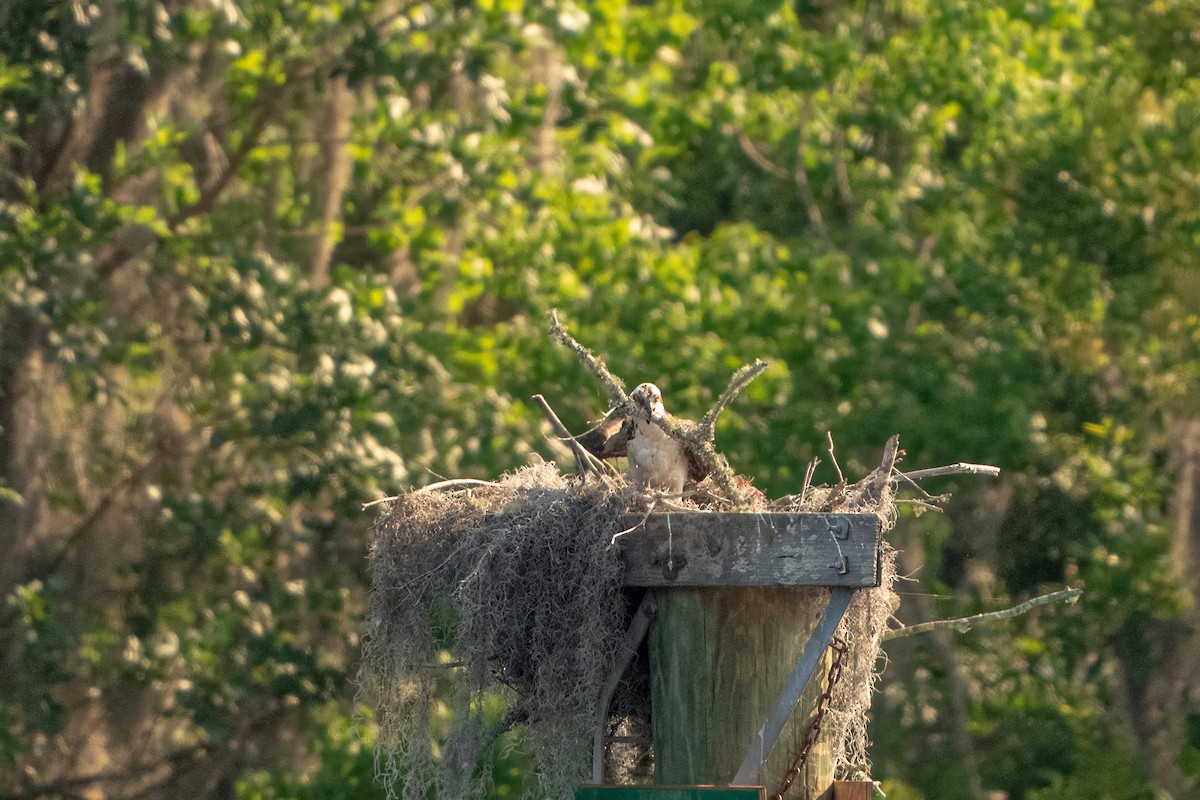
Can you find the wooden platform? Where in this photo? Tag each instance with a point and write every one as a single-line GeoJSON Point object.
{"type": "Point", "coordinates": [747, 549]}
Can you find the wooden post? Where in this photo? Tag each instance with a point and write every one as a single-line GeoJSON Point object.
{"type": "Point", "coordinates": [719, 658]}
{"type": "Point", "coordinates": [850, 790]}
{"type": "Point", "coordinates": [736, 605]}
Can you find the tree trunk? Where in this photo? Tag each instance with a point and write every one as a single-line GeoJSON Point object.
{"type": "Point", "coordinates": [334, 176]}
{"type": "Point", "coordinates": [1171, 692]}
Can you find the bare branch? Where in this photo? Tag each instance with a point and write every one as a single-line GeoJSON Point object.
{"type": "Point", "coordinates": [613, 385]}
{"type": "Point", "coordinates": [740, 380]}
{"type": "Point", "coordinates": [833, 458]}
{"type": "Point", "coordinates": [585, 462]}
{"type": "Point", "coordinates": [961, 468]}
{"type": "Point", "coordinates": [964, 624]}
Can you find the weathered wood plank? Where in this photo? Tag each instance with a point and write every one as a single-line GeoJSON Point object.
{"type": "Point", "coordinates": [670, 793]}
{"type": "Point", "coordinates": [850, 790]}
{"type": "Point", "coordinates": [744, 549]}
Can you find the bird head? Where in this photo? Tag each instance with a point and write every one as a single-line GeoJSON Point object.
{"type": "Point", "coordinates": [647, 399]}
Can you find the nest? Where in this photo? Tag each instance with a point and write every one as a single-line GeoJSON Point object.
{"type": "Point", "coordinates": [521, 581]}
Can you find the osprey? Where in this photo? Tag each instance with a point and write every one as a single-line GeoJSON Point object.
{"type": "Point", "coordinates": [657, 461]}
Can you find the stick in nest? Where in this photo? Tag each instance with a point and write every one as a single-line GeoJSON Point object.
{"type": "Point", "coordinates": [585, 462]}
{"type": "Point", "coordinates": [613, 386]}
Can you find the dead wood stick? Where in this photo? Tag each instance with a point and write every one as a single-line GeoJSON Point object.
{"type": "Point", "coordinates": [613, 385]}
{"type": "Point", "coordinates": [584, 461]}
{"type": "Point", "coordinates": [833, 458]}
{"type": "Point", "coordinates": [964, 624]}
{"type": "Point", "coordinates": [961, 468]}
{"type": "Point", "coordinates": [740, 380]}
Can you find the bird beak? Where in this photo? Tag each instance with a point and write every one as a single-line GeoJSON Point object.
{"type": "Point", "coordinates": [644, 404]}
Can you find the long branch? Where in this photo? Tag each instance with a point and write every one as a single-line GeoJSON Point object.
{"type": "Point", "coordinates": [611, 383]}
{"type": "Point", "coordinates": [584, 461]}
{"type": "Point", "coordinates": [964, 624]}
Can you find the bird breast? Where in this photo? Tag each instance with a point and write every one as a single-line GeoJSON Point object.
{"type": "Point", "coordinates": [656, 461]}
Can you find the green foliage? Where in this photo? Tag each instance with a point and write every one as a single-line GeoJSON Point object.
{"type": "Point", "coordinates": [973, 224]}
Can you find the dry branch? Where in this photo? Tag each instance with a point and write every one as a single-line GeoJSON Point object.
{"type": "Point", "coordinates": [585, 462]}
{"type": "Point", "coordinates": [964, 624]}
{"type": "Point", "coordinates": [961, 468]}
{"type": "Point", "coordinates": [737, 384]}
{"type": "Point", "coordinates": [613, 385]}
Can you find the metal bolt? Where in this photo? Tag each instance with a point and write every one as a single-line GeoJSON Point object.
{"type": "Point", "coordinates": [839, 527]}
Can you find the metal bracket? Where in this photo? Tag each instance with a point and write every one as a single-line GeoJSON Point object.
{"type": "Point", "coordinates": [839, 526]}
{"type": "Point", "coordinates": [768, 734]}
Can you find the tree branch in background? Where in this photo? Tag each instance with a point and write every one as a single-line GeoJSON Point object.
{"type": "Point", "coordinates": [335, 174]}
{"type": "Point", "coordinates": [754, 154]}
{"type": "Point", "coordinates": [271, 98]}
{"type": "Point", "coordinates": [846, 195]}
{"type": "Point", "coordinates": [964, 624]}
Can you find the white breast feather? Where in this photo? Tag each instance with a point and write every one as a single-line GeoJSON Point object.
{"type": "Point", "coordinates": [656, 461]}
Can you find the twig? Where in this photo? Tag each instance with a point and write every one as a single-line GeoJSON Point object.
{"type": "Point", "coordinates": [961, 468]}
{"type": "Point", "coordinates": [639, 523]}
{"type": "Point", "coordinates": [808, 476]}
{"type": "Point", "coordinates": [615, 387]}
{"type": "Point", "coordinates": [737, 384]}
{"type": "Point", "coordinates": [584, 461]}
{"type": "Point", "coordinates": [833, 458]}
{"type": "Point", "coordinates": [373, 503]}
{"type": "Point", "coordinates": [963, 624]}
{"type": "Point", "coordinates": [924, 505]}
{"type": "Point", "coordinates": [457, 483]}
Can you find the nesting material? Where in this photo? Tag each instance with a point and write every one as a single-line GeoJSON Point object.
{"type": "Point", "coordinates": [521, 582]}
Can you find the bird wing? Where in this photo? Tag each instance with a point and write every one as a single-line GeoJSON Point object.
{"type": "Point", "coordinates": [610, 439]}
{"type": "Point", "coordinates": [696, 469]}
{"type": "Point", "coordinates": [606, 440]}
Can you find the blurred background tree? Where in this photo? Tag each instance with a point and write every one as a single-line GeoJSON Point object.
{"type": "Point", "coordinates": [262, 260]}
